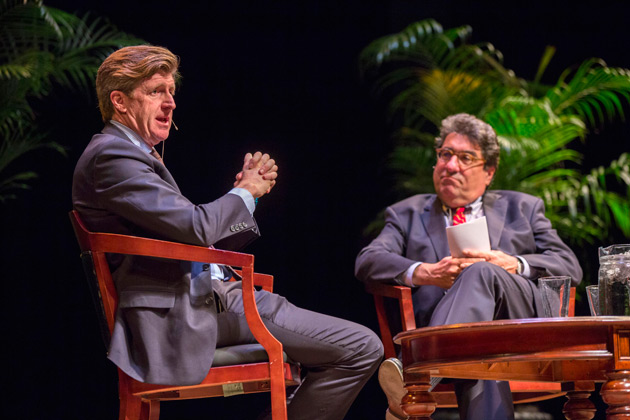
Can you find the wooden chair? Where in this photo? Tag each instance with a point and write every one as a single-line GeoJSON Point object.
{"type": "Point", "coordinates": [444, 394]}
{"type": "Point", "coordinates": [235, 370]}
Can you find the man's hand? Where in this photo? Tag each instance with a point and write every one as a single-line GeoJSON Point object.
{"type": "Point", "coordinates": [258, 175]}
{"type": "Point", "coordinates": [442, 273]}
{"type": "Point", "coordinates": [507, 262]}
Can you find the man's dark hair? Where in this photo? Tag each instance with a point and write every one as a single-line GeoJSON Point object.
{"type": "Point", "coordinates": [479, 132]}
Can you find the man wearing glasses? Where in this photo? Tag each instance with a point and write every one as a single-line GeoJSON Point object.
{"type": "Point", "coordinates": [412, 250]}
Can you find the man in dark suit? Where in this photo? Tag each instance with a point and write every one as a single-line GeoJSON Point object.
{"type": "Point", "coordinates": [172, 315]}
{"type": "Point", "coordinates": [412, 250]}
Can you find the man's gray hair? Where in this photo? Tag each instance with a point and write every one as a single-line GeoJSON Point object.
{"type": "Point", "coordinates": [479, 133]}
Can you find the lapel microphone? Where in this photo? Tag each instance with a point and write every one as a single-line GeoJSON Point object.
{"type": "Point", "coordinates": [164, 141]}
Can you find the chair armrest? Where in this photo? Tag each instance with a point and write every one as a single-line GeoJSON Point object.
{"type": "Point", "coordinates": [264, 281]}
{"type": "Point", "coordinates": [134, 245]}
{"type": "Point", "coordinates": [403, 296]}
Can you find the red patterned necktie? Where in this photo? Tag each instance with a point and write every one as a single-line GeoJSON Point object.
{"type": "Point", "coordinates": [459, 217]}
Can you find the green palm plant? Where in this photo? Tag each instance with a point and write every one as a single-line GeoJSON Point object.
{"type": "Point", "coordinates": [41, 49]}
{"type": "Point", "coordinates": [425, 73]}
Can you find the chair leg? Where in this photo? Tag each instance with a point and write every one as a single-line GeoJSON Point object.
{"type": "Point", "coordinates": [278, 391]}
{"type": "Point", "coordinates": [133, 408]}
{"type": "Point", "coordinates": [383, 324]}
{"type": "Point", "coordinates": [150, 410]}
{"type": "Point", "coordinates": [130, 407]}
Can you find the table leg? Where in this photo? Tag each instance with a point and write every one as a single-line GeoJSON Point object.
{"type": "Point", "coordinates": [579, 406]}
{"type": "Point", "coordinates": [418, 404]}
{"type": "Point", "coordinates": [616, 393]}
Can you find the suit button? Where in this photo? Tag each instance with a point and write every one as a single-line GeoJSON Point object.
{"type": "Point", "coordinates": [206, 267]}
{"type": "Point", "coordinates": [232, 228]}
{"type": "Point", "coordinates": [244, 225]}
{"type": "Point", "coordinates": [209, 300]}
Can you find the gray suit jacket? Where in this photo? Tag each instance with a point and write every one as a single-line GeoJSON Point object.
{"type": "Point", "coordinates": [165, 328]}
{"type": "Point", "coordinates": [415, 230]}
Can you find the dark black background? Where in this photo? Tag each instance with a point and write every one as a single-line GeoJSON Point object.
{"type": "Point", "coordinates": [276, 76]}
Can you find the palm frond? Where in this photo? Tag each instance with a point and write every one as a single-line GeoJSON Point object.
{"type": "Point", "coordinates": [409, 44]}
{"type": "Point", "coordinates": [18, 144]}
{"type": "Point", "coordinates": [401, 57]}
{"type": "Point", "coordinates": [589, 196]}
{"type": "Point", "coordinates": [594, 92]}
{"type": "Point", "coordinates": [18, 181]}
{"type": "Point", "coordinates": [411, 136]}
{"type": "Point", "coordinates": [25, 26]}
{"type": "Point", "coordinates": [15, 71]}
{"type": "Point", "coordinates": [544, 63]}
{"type": "Point", "coordinates": [40, 48]}
{"type": "Point", "coordinates": [412, 168]}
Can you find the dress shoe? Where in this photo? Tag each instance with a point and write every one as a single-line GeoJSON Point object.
{"type": "Point", "coordinates": [390, 377]}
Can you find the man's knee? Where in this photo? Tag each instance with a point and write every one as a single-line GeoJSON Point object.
{"type": "Point", "coordinates": [482, 267]}
{"type": "Point", "coordinates": [370, 352]}
{"type": "Point", "coordinates": [376, 347]}
{"type": "Point", "coordinates": [372, 348]}
{"type": "Point", "coordinates": [482, 273]}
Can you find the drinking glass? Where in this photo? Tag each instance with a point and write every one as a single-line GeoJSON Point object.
{"type": "Point", "coordinates": [555, 292]}
{"type": "Point", "coordinates": [592, 293]}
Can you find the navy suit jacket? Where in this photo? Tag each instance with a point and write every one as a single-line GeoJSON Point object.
{"type": "Point", "coordinates": [415, 230]}
{"type": "Point", "coordinates": [165, 329]}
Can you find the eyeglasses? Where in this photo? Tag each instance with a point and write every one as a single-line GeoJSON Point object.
{"type": "Point", "coordinates": [465, 159]}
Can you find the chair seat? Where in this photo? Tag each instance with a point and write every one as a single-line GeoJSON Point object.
{"type": "Point", "coordinates": [241, 354]}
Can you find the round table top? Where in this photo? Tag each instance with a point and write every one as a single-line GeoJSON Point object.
{"type": "Point", "coordinates": [516, 326]}
{"type": "Point", "coordinates": [597, 344]}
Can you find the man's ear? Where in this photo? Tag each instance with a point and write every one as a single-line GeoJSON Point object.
{"type": "Point", "coordinates": [490, 172]}
{"type": "Point", "coordinates": [119, 100]}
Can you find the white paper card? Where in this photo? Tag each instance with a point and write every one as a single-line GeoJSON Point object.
{"type": "Point", "coordinates": [470, 235]}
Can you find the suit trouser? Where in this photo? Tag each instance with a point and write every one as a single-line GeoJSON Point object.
{"type": "Point", "coordinates": [484, 292]}
{"type": "Point", "coordinates": [339, 356]}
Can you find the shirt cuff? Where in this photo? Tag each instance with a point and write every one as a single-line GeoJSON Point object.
{"type": "Point", "coordinates": [406, 279]}
{"type": "Point", "coordinates": [526, 270]}
{"type": "Point", "coordinates": [247, 197]}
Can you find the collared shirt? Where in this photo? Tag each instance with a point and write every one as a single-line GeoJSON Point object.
{"type": "Point", "coordinates": [132, 135]}
{"type": "Point", "coordinates": [246, 196]}
{"type": "Point", "coordinates": [473, 211]}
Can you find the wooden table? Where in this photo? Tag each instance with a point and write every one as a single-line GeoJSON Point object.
{"type": "Point", "coordinates": [576, 351]}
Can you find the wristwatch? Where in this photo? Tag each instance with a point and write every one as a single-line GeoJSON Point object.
{"type": "Point", "coordinates": [519, 266]}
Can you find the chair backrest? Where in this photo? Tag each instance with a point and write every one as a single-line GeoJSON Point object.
{"type": "Point", "coordinates": [99, 278]}
{"type": "Point", "coordinates": [95, 293]}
